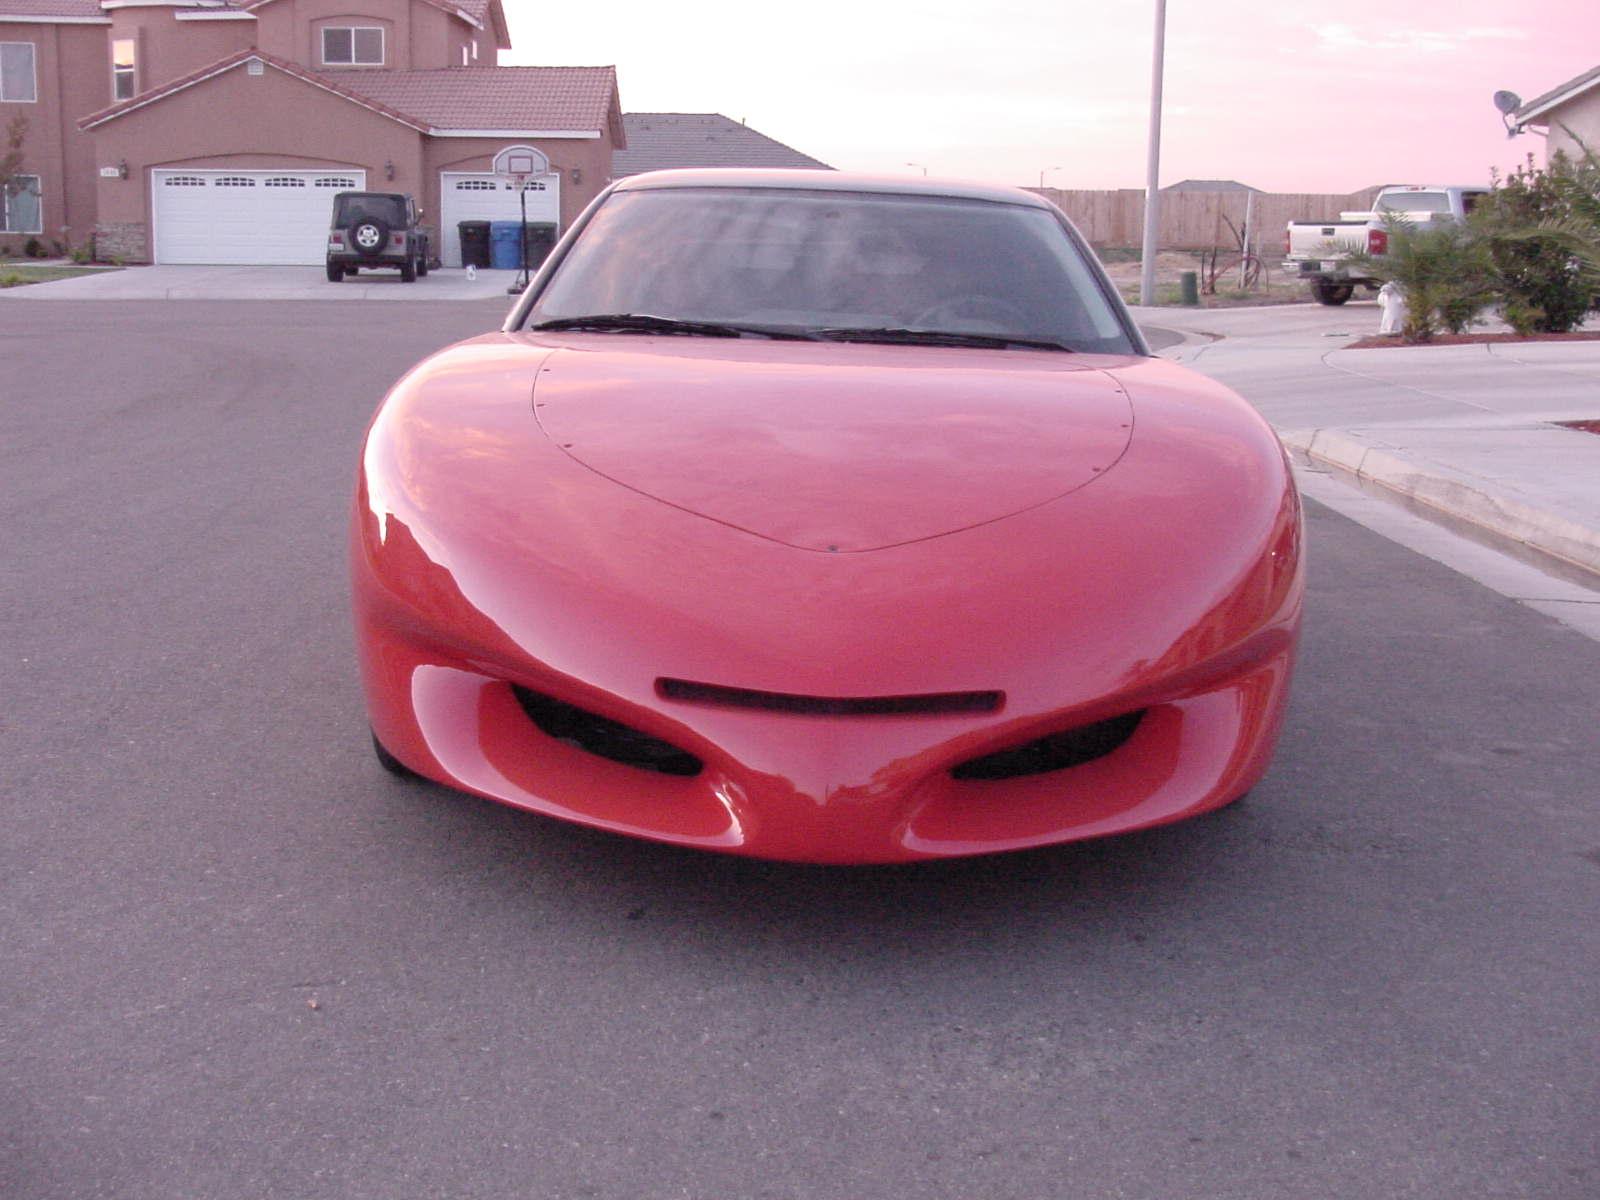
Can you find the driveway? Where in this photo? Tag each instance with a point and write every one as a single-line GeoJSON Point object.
{"type": "Point", "coordinates": [265, 283]}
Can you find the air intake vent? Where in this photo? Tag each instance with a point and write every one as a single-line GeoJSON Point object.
{"type": "Point", "coordinates": [831, 706]}
{"type": "Point", "coordinates": [604, 737]}
{"type": "Point", "coordinates": [1069, 748]}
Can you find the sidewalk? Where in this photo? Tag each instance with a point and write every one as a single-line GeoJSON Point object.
{"type": "Point", "coordinates": [1471, 431]}
{"type": "Point", "coordinates": [266, 283]}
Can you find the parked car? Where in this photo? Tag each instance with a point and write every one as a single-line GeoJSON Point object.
{"type": "Point", "coordinates": [1315, 250]}
{"type": "Point", "coordinates": [829, 518]}
{"type": "Point", "coordinates": [376, 229]}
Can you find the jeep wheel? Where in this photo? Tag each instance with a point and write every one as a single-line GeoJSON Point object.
{"type": "Point", "coordinates": [408, 271]}
{"type": "Point", "coordinates": [422, 263]}
{"type": "Point", "coordinates": [335, 272]}
{"type": "Point", "coordinates": [369, 237]}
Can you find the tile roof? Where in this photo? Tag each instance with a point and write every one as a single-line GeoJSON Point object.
{"type": "Point", "coordinates": [70, 9]}
{"type": "Point", "coordinates": [499, 98]}
{"type": "Point", "coordinates": [521, 98]}
{"type": "Point", "coordinates": [662, 141]}
{"type": "Point", "coordinates": [229, 63]}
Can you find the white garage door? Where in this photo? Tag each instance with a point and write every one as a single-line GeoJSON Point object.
{"type": "Point", "coordinates": [489, 198]}
{"type": "Point", "coordinates": [246, 216]}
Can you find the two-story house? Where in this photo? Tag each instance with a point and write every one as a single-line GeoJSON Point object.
{"type": "Point", "coordinates": [217, 131]}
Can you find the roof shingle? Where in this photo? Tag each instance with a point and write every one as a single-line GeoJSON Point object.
{"type": "Point", "coordinates": [56, 9]}
{"type": "Point", "coordinates": [502, 98]}
{"type": "Point", "coordinates": [664, 141]}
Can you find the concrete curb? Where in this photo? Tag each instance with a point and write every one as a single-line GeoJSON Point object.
{"type": "Point", "coordinates": [1452, 492]}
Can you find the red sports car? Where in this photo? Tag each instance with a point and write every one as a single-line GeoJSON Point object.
{"type": "Point", "coordinates": [826, 518]}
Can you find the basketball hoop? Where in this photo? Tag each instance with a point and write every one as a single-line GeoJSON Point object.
{"type": "Point", "coordinates": [520, 164]}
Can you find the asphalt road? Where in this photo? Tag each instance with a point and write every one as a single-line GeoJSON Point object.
{"type": "Point", "coordinates": [237, 960]}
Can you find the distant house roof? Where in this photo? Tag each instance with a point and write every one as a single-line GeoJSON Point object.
{"type": "Point", "coordinates": [490, 101]}
{"type": "Point", "coordinates": [498, 99]}
{"type": "Point", "coordinates": [1535, 109]}
{"type": "Point", "coordinates": [54, 10]}
{"type": "Point", "coordinates": [663, 141]}
{"type": "Point", "coordinates": [1209, 185]}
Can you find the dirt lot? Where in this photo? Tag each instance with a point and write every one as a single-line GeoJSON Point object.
{"type": "Point", "coordinates": [1274, 288]}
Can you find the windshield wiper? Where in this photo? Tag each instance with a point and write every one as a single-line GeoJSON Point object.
{"type": "Point", "coordinates": [650, 323]}
{"type": "Point", "coordinates": [938, 337]}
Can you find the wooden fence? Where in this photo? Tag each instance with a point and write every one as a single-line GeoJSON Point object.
{"type": "Point", "coordinates": [1195, 220]}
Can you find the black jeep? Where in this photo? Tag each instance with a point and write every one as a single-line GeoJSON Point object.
{"type": "Point", "coordinates": [376, 229]}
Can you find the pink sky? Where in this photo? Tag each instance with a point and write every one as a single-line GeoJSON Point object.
{"type": "Point", "coordinates": [1292, 95]}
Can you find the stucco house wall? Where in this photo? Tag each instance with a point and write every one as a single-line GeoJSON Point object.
{"type": "Point", "coordinates": [1579, 116]}
{"type": "Point", "coordinates": [68, 82]}
{"type": "Point", "coordinates": [203, 125]}
{"type": "Point", "coordinates": [291, 29]}
{"type": "Point", "coordinates": [167, 48]}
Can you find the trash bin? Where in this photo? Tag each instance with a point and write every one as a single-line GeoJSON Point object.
{"type": "Point", "coordinates": [504, 254]}
{"type": "Point", "coordinates": [474, 243]}
{"type": "Point", "coordinates": [541, 240]}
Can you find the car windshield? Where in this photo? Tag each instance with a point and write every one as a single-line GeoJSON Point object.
{"type": "Point", "coordinates": [861, 266]}
{"type": "Point", "coordinates": [391, 210]}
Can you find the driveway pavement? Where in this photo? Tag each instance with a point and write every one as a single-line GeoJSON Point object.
{"type": "Point", "coordinates": [264, 283]}
{"type": "Point", "coordinates": [1471, 431]}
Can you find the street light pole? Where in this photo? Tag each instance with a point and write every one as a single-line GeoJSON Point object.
{"type": "Point", "coordinates": [1152, 184]}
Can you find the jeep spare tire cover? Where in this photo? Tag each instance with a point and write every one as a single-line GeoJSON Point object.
{"type": "Point", "coordinates": [369, 236]}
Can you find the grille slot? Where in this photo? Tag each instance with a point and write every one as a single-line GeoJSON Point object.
{"type": "Point", "coordinates": [832, 706]}
{"type": "Point", "coordinates": [1053, 752]}
{"type": "Point", "coordinates": [604, 737]}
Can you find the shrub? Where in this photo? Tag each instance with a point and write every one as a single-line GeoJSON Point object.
{"type": "Point", "coordinates": [1542, 227]}
{"type": "Point", "coordinates": [33, 248]}
{"type": "Point", "coordinates": [1445, 271]}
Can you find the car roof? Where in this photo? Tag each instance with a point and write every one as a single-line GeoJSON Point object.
{"type": "Point", "coordinates": [833, 181]}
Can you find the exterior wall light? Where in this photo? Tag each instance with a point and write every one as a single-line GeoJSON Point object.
{"type": "Point", "coordinates": [122, 168]}
{"type": "Point", "coordinates": [577, 175]}
{"type": "Point", "coordinates": [388, 169]}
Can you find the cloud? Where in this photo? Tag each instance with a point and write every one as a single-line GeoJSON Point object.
{"type": "Point", "coordinates": [1337, 39]}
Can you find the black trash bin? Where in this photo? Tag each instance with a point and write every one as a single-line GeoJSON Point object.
{"type": "Point", "coordinates": [474, 243]}
{"type": "Point", "coordinates": [541, 240]}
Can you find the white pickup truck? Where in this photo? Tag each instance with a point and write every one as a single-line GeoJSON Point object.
{"type": "Point", "coordinates": [1315, 250]}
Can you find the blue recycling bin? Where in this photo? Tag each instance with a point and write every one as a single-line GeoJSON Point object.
{"type": "Point", "coordinates": [504, 254]}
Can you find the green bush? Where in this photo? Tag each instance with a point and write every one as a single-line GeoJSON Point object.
{"type": "Point", "coordinates": [1444, 271]}
{"type": "Point", "coordinates": [1542, 227]}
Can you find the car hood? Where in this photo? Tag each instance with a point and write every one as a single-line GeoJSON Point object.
{"type": "Point", "coordinates": [826, 447]}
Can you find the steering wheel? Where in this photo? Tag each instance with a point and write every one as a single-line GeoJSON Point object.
{"type": "Point", "coordinates": [962, 313]}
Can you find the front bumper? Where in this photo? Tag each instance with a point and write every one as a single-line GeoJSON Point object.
{"type": "Point", "coordinates": [828, 789]}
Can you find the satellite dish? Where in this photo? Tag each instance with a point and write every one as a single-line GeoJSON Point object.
{"type": "Point", "coordinates": [1507, 102]}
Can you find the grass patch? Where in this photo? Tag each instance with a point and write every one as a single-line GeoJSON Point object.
{"type": "Point", "coordinates": [21, 274]}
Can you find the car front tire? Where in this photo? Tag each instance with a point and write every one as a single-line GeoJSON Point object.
{"type": "Point", "coordinates": [390, 763]}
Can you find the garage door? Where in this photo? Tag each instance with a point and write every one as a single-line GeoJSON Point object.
{"type": "Point", "coordinates": [489, 198]}
{"type": "Point", "coordinates": [246, 216]}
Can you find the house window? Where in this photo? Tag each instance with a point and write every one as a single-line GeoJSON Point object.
{"type": "Point", "coordinates": [352, 46]}
{"type": "Point", "coordinates": [336, 181]}
{"type": "Point", "coordinates": [19, 205]}
{"type": "Point", "coordinates": [122, 73]}
{"type": "Point", "coordinates": [463, 56]}
{"type": "Point", "coordinates": [474, 49]}
{"type": "Point", "coordinates": [16, 73]}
